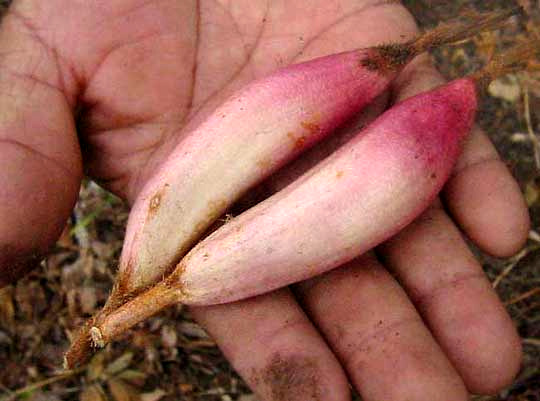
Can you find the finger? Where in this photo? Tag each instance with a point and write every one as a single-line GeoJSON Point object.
{"type": "Point", "coordinates": [443, 278]}
{"type": "Point", "coordinates": [275, 348]}
{"type": "Point", "coordinates": [377, 334]}
{"type": "Point", "coordinates": [482, 196]}
{"type": "Point", "coordinates": [486, 200]}
{"type": "Point", "coordinates": [41, 167]}
{"type": "Point", "coordinates": [456, 300]}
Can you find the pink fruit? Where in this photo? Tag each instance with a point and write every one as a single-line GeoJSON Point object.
{"type": "Point", "coordinates": [358, 197]}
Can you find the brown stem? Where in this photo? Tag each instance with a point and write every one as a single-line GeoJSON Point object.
{"type": "Point", "coordinates": [111, 322]}
{"type": "Point", "coordinates": [393, 56]}
{"type": "Point", "coordinates": [147, 304]}
{"type": "Point", "coordinates": [517, 58]}
{"type": "Point", "coordinates": [464, 27]}
{"type": "Point", "coordinates": [82, 346]}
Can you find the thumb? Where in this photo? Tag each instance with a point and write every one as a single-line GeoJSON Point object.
{"type": "Point", "coordinates": [40, 158]}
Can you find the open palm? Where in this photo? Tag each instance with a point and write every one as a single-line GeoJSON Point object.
{"type": "Point", "coordinates": [109, 87]}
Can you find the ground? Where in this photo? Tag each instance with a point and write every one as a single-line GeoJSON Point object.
{"type": "Point", "coordinates": [170, 357]}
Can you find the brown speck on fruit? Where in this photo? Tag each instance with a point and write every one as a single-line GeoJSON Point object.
{"type": "Point", "coordinates": [299, 142]}
{"type": "Point", "coordinates": [433, 176]}
{"type": "Point", "coordinates": [290, 378]}
{"type": "Point", "coordinates": [312, 127]}
{"type": "Point", "coordinates": [265, 164]}
{"type": "Point", "coordinates": [339, 174]}
{"type": "Point", "coordinates": [156, 201]}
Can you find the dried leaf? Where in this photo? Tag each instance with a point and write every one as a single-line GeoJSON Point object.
{"type": "Point", "coordinates": [169, 338]}
{"type": "Point", "coordinates": [525, 4]}
{"type": "Point", "coordinates": [520, 137]}
{"type": "Point", "coordinates": [248, 397]}
{"type": "Point", "coordinates": [102, 250]}
{"type": "Point", "coordinates": [142, 339]}
{"type": "Point", "coordinates": [122, 391]}
{"type": "Point", "coordinates": [533, 83]}
{"type": "Point", "coordinates": [30, 298]}
{"type": "Point", "coordinates": [96, 366]}
{"type": "Point", "coordinates": [88, 299]}
{"type": "Point", "coordinates": [93, 393]}
{"type": "Point", "coordinates": [66, 240]}
{"type": "Point", "coordinates": [119, 364]}
{"type": "Point", "coordinates": [532, 193]}
{"type": "Point", "coordinates": [155, 395]}
{"type": "Point", "coordinates": [133, 376]}
{"type": "Point", "coordinates": [40, 395]}
{"type": "Point", "coordinates": [71, 300]}
{"type": "Point", "coordinates": [32, 372]}
{"type": "Point", "coordinates": [192, 330]}
{"type": "Point", "coordinates": [5, 339]}
{"type": "Point", "coordinates": [486, 44]}
{"type": "Point", "coordinates": [506, 88]}
{"type": "Point", "coordinates": [7, 309]}
{"type": "Point", "coordinates": [185, 388]}
{"type": "Point", "coordinates": [459, 56]}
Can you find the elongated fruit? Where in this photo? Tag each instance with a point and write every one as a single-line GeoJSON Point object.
{"type": "Point", "coordinates": [361, 195]}
{"type": "Point", "coordinates": [254, 133]}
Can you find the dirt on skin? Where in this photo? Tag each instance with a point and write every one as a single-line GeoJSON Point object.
{"type": "Point", "coordinates": [169, 357]}
{"type": "Point", "coordinates": [291, 379]}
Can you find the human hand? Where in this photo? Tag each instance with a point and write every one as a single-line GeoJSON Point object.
{"type": "Point", "coordinates": [138, 73]}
